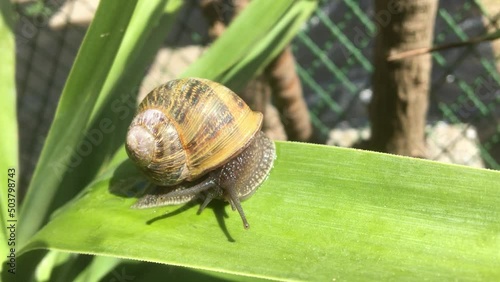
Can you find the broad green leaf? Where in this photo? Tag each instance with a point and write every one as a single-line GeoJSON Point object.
{"type": "Point", "coordinates": [323, 214]}
{"type": "Point", "coordinates": [8, 127]}
{"type": "Point", "coordinates": [79, 96]}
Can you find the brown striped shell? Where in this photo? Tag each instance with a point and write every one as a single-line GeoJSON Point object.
{"type": "Point", "coordinates": [188, 127]}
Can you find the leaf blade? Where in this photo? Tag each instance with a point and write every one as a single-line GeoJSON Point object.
{"type": "Point", "coordinates": [86, 78]}
{"type": "Point", "coordinates": [377, 216]}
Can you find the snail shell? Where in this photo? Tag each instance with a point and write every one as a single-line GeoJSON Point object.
{"type": "Point", "coordinates": [188, 127]}
{"type": "Point", "coordinates": [195, 129]}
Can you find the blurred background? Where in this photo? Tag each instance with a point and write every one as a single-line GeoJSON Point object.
{"type": "Point", "coordinates": [334, 61]}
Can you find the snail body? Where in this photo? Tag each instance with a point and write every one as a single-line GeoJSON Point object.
{"type": "Point", "coordinates": [196, 138]}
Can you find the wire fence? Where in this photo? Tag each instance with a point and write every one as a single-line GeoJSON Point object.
{"type": "Point", "coordinates": [334, 61]}
{"type": "Point", "coordinates": [334, 56]}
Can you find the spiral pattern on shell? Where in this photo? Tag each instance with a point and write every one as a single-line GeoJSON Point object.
{"type": "Point", "coordinates": [188, 127]}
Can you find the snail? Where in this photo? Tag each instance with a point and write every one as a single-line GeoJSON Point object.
{"type": "Point", "coordinates": [195, 138]}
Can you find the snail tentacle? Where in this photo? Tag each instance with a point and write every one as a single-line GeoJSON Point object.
{"type": "Point", "coordinates": [209, 197]}
{"type": "Point", "coordinates": [232, 194]}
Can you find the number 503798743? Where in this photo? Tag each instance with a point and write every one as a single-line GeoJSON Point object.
{"type": "Point", "coordinates": [11, 192]}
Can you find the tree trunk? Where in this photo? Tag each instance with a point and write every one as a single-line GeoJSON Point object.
{"type": "Point", "coordinates": [401, 88]}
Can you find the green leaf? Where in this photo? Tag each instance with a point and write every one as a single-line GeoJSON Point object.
{"type": "Point", "coordinates": [270, 45]}
{"type": "Point", "coordinates": [227, 51]}
{"type": "Point", "coordinates": [247, 46]}
{"type": "Point", "coordinates": [324, 213]}
{"type": "Point", "coordinates": [80, 93]}
{"type": "Point", "coordinates": [151, 20]}
{"type": "Point", "coordinates": [107, 124]}
{"type": "Point", "coordinates": [116, 103]}
{"type": "Point", "coordinates": [8, 126]}
{"type": "Point", "coordinates": [143, 35]}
